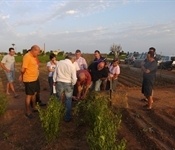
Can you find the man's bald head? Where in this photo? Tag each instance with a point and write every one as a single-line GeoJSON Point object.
{"type": "Point", "coordinates": [81, 76]}
{"type": "Point", "coordinates": [35, 50]}
{"type": "Point", "coordinates": [101, 65]}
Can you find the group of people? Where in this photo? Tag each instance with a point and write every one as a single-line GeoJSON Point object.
{"type": "Point", "coordinates": [71, 78]}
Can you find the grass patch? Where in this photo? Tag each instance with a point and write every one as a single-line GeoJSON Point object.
{"type": "Point", "coordinates": [3, 104]}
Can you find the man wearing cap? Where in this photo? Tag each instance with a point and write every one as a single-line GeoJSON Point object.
{"type": "Point", "coordinates": [8, 65]}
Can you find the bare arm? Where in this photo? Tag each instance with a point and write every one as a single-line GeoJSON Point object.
{"type": "Point", "coordinates": [23, 70]}
{"type": "Point", "coordinates": [4, 68]}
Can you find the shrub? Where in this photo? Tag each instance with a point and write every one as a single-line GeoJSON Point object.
{"type": "Point", "coordinates": [51, 117]}
{"type": "Point", "coordinates": [3, 104]}
{"type": "Point", "coordinates": [103, 123]}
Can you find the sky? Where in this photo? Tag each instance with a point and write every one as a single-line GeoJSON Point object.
{"type": "Point", "coordinates": [88, 25]}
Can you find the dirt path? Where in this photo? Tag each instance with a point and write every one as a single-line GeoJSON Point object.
{"type": "Point", "coordinates": [142, 129]}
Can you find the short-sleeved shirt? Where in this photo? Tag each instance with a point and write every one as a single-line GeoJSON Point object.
{"type": "Point", "coordinates": [52, 66]}
{"type": "Point", "coordinates": [76, 66]}
{"type": "Point", "coordinates": [9, 62]}
{"type": "Point", "coordinates": [81, 63]}
{"type": "Point", "coordinates": [114, 70]}
{"type": "Point", "coordinates": [31, 65]}
{"type": "Point", "coordinates": [152, 66]}
{"type": "Point", "coordinates": [88, 79]}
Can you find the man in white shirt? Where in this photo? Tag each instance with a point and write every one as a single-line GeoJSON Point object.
{"type": "Point", "coordinates": [65, 76]}
{"type": "Point", "coordinates": [8, 65]}
{"type": "Point", "coordinates": [80, 60]}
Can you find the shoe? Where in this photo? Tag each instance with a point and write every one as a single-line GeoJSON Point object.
{"type": "Point", "coordinates": [148, 108]}
{"type": "Point", "coordinates": [35, 110]}
{"type": "Point", "coordinates": [16, 96]}
{"type": "Point", "coordinates": [145, 105]}
{"type": "Point", "coordinates": [67, 120]}
{"type": "Point", "coordinates": [42, 104]}
{"type": "Point", "coordinates": [74, 98]}
{"type": "Point", "coordinates": [29, 116]}
{"type": "Point", "coordinates": [144, 100]}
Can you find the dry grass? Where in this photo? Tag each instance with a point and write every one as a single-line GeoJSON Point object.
{"type": "Point", "coordinates": [120, 99]}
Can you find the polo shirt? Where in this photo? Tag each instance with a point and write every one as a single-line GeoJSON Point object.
{"type": "Point", "coordinates": [9, 62]}
{"type": "Point", "coordinates": [31, 65]}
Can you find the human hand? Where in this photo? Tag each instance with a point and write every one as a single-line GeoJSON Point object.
{"type": "Point", "coordinates": [20, 78]}
{"type": "Point", "coordinates": [83, 96]}
{"type": "Point", "coordinates": [7, 70]}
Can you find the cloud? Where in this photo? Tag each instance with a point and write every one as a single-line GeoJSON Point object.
{"type": "Point", "coordinates": [3, 17]}
{"type": "Point", "coordinates": [55, 10]}
{"type": "Point", "coordinates": [71, 12]}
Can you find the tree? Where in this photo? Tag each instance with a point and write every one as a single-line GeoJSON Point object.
{"type": "Point", "coordinates": [13, 45]}
{"type": "Point", "coordinates": [24, 51]}
{"type": "Point", "coordinates": [115, 49]}
{"type": "Point", "coordinates": [19, 54]}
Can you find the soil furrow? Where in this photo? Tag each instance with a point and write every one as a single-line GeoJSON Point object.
{"type": "Point", "coordinates": [135, 128]}
{"type": "Point", "coordinates": [163, 123]}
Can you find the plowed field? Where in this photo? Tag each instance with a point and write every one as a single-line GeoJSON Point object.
{"type": "Point", "coordinates": [143, 130]}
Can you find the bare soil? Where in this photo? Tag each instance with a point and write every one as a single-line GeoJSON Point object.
{"type": "Point", "coordinates": [143, 130]}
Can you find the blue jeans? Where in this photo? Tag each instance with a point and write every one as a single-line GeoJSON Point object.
{"type": "Point", "coordinates": [50, 81]}
{"type": "Point", "coordinates": [97, 85]}
{"type": "Point", "coordinates": [67, 90]}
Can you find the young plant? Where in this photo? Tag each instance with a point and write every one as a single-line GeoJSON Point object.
{"type": "Point", "coordinates": [3, 104]}
{"type": "Point", "coordinates": [51, 117]}
{"type": "Point", "coordinates": [103, 123]}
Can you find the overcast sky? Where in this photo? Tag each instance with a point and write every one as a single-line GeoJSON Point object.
{"type": "Point", "coordinates": [88, 25]}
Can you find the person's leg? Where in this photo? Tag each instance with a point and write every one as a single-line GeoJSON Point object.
{"type": "Point", "coordinates": [114, 84]}
{"type": "Point", "coordinates": [59, 90]}
{"type": "Point", "coordinates": [8, 75]}
{"type": "Point", "coordinates": [103, 84]}
{"type": "Point", "coordinates": [27, 104]}
{"type": "Point", "coordinates": [37, 89]}
{"type": "Point", "coordinates": [11, 78]}
{"type": "Point", "coordinates": [33, 101]}
{"type": "Point", "coordinates": [144, 90]}
{"type": "Point", "coordinates": [150, 102]}
{"type": "Point", "coordinates": [68, 100]}
{"type": "Point", "coordinates": [149, 93]}
{"type": "Point", "coordinates": [12, 88]}
{"type": "Point", "coordinates": [97, 85]}
{"type": "Point", "coordinates": [37, 95]}
{"type": "Point", "coordinates": [30, 90]}
{"type": "Point", "coordinates": [50, 81]}
{"type": "Point", "coordinates": [8, 89]}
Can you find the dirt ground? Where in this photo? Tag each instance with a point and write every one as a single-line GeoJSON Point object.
{"type": "Point", "coordinates": [143, 130]}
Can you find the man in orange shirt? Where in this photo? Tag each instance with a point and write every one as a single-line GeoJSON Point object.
{"type": "Point", "coordinates": [29, 76]}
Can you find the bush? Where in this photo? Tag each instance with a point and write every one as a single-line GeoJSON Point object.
{"type": "Point", "coordinates": [51, 117]}
{"type": "Point", "coordinates": [102, 122]}
{"type": "Point", "coordinates": [3, 104]}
